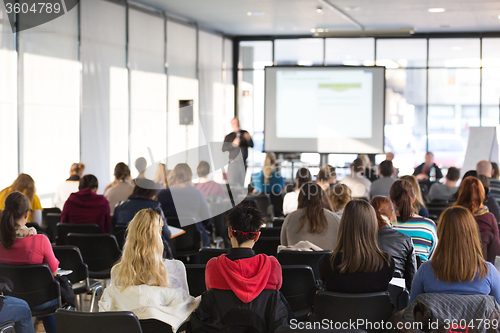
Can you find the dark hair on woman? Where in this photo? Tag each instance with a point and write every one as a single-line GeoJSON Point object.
{"type": "Point", "coordinates": [122, 171]}
{"type": "Point", "coordinates": [244, 218]}
{"type": "Point", "coordinates": [203, 169]}
{"type": "Point", "coordinates": [402, 195]}
{"type": "Point", "coordinates": [311, 198]}
{"type": "Point", "coordinates": [145, 188]}
{"type": "Point", "coordinates": [383, 207]}
{"type": "Point", "coordinates": [16, 205]}
{"type": "Point", "coordinates": [88, 181]}
{"type": "Point", "coordinates": [303, 177]}
{"type": "Point", "coordinates": [472, 173]}
{"type": "Point", "coordinates": [496, 171]}
{"type": "Point", "coordinates": [324, 174]}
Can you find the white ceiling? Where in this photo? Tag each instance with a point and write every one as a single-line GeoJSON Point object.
{"type": "Point", "coordinates": [298, 17]}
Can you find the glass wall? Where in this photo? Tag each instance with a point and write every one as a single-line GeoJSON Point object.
{"type": "Point", "coordinates": [436, 89]}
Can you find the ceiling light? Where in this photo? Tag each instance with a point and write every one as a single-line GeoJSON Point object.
{"type": "Point", "coordinates": [499, 17]}
{"type": "Point", "coordinates": [313, 30]}
{"type": "Point", "coordinates": [320, 30]}
{"type": "Point", "coordinates": [255, 13]}
{"type": "Point", "coordinates": [319, 9]}
{"type": "Point", "coordinates": [249, 13]}
{"type": "Point", "coordinates": [436, 10]}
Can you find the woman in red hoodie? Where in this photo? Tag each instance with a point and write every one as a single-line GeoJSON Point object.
{"type": "Point", "coordinates": [241, 270]}
{"type": "Point", "coordinates": [86, 206]}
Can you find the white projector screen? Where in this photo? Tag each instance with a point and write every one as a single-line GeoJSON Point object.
{"type": "Point", "coordinates": [324, 109]}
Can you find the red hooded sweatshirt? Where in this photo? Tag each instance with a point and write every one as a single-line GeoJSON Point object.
{"type": "Point", "coordinates": [85, 206]}
{"type": "Point", "coordinates": [245, 277]}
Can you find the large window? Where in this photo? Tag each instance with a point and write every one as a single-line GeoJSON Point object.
{"type": "Point", "coordinates": [436, 88]}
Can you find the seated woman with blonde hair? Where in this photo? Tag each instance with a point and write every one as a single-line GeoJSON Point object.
{"type": "Point", "coordinates": [144, 283]}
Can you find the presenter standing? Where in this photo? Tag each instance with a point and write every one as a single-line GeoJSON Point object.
{"type": "Point", "coordinates": [235, 141]}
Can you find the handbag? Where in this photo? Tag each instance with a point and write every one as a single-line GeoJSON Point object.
{"type": "Point", "coordinates": [6, 287]}
{"type": "Point", "coordinates": [67, 292]}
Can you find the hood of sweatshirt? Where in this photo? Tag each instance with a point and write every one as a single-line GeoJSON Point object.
{"type": "Point", "coordinates": [245, 277]}
{"type": "Point", "coordinates": [85, 198]}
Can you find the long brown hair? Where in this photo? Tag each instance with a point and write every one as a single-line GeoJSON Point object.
{"type": "Point", "coordinates": [458, 256]}
{"type": "Point", "coordinates": [383, 207]}
{"type": "Point", "coordinates": [401, 194]}
{"type": "Point", "coordinates": [419, 200]}
{"type": "Point", "coordinates": [471, 194]}
{"type": "Point", "coordinates": [181, 175]}
{"type": "Point", "coordinates": [24, 184]}
{"type": "Point", "coordinates": [340, 195]}
{"type": "Point", "coordinates": [77, 169]}
{"type": "Point", "coordinates": [311, 198]}
{"type": "Point", "coordinates": [121, 172]}
{"type": "Point", "coordinates": [357, 240]}
{"type": "Point", "coordinates": [16, 205]}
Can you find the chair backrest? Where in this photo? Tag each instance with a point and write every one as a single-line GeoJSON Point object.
{"type": "Point", "coordinates": [120, 232]}
{"type": "Point", "coordinates": [399, 297]}
{"type": "Point", "coordinates": [267, 245]}
{"type": "Point", "coordinates": [270, 232]}
{"type": "Point", "coordinates": [299, 288]}
{"type": "Point", "coordinates": [208, 253]}
{"type": "Point", "coordinates": [309, 258]}
{"type": "Point", "coordinates": [155, 326]}
{"type": "Point", "coordinates": [49, 222]}
{"type": "Point", "coordinates": [189, 243]}
{"type": "Point", "coordinates": [373, 307]}
{"type": "Point", "coordinates": [63, 229]}
{"type": "Point", "coordinates": [33, 283]}
{"type": "Point", "coordinates": [97, 322]}
{"type": "Point", "coordinates": [262, 201]}
{"type": "Point", "coordinates": [278, 222]}
{"type": "Point", "coordinates": [196, 279]}
{"type": "Point", "coordinates": [70, 258]}
{"type": "Point", "coordinates": [99, 251]}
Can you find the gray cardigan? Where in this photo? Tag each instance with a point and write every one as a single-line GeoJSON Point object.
{"type": "Point", "coordinates": [327, 240]}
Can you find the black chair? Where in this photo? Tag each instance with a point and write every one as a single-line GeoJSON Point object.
{"type": "Point", "coordinates": [99, 251]}
{"type": "Point", "coordinates": [418, 260]}
{"type": "Point", "coordinates": [187, 244]}
{"type": "Point", "coordinates": [267, 245]}
{"type": "Point", "coordinates": [309, 258]}
{"type": "Point", "coordinates": [399, 297]}
{"type": "Point", "coordinates": [63, 229]}
{"type": "Point", "coordinates": [436, 207]}
{"type": "Point", "coordinates": [372, 307]}
{"type": "Point", "coordinates": [156, 326]}
{"type": "Point", "coordinates": [35, 284]}
{"type": "Point", "coordinates": [7, 327]}
{"type": "Point", "coordinates": [278, 222]}
{"type": "Point", "coordinates": [207, 253]}
{"type": "Point", "coordinates": [50, 222]}
{"type": "Point", "coordinates": [299, 288]}
{"type": "Point", "coordinates": [262, 201]}
{"type": "Point", "coordinates": [270, 232]}
{"type": "Point", "coordinates": [120, 232]}
{"type": "Point", "coordinates": [101, 322]}
{"type": "Point", "coordinates": [70, 258]}
{"type": "Point", "coordinates": [196, 279]}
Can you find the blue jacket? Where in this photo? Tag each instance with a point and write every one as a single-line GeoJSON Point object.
{"type": "Point", "coordinates": [275, 185]}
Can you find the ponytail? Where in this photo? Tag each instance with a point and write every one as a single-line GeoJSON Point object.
{"type": "Point", "coordinates": [16, 205]}
{"type": "Point", "coordinates": [401, 194]}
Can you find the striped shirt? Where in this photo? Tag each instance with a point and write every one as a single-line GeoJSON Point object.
{"type": "Point", "coordinates": [422, 232]}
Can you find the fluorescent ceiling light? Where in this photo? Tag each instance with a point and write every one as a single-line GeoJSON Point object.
{"type": "Point", "coordinates": [255, 13]}
{"type": "Point", "coordinates": [436, 10]}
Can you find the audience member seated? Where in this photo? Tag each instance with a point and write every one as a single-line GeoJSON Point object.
{"type": "Point", "coordinates": [390, 157]}
{"type": "Point", "coordinates": [20, 245]}
{"type": "Point", "coordinates": [120, 189]}
{"type": "Point", "coordinates": [311, 222]}
{"type": "Point", "coordinates": [144, 196]}
{"type": "Point", "coordinates": [16, 310]}
{"type": "Point", "coordinates": [141, 165]}
{"type": "Point", "coordinates": [423, 171]}
{"type": "Point", "coordinates": [324, 178]}
{"type": "Point", "coordinates": [144, 283]}
{"type": "Point", "coordinates": [244, 273]}
{"type": "Point", "coordinates": [290, 201]}
{"type": "Point", "coordinates": [86, 206]}
{"type": "Point", "coordinates": [26, 185]}
{"type": "Point", "coordinates": [340, 195]}
{"type": "Point", "coordinates": [268, 180]}
{"type": "Point", "coordinates": [495, 175]}
{"type": "Point", "coordinates": [459, 242]}
{"type": "Point", "coordinates": [357, 265]}
{"type": "Point", "coordinates": [69, 186]}
{"type": "Point", "coordinates": [398, 245]}
{"type": "Point", "coordinates": [419, 204]}
{"type": "Point", "coordinates": [485, 168]}
{"type": "Point", "coordinates": [382, 186]}
{"type": "Point", "coordinates": [161, 176]}
{"type": "Point", "coordinates": [206, 186]}
{"type": "Point", "coordinates": [447, 190]}
{"type": "Point", "coordinates": [183, 200]}
{"type": "Point", "coordinates": [421, 230]}
{"type": "Point", "coordinates": [471, 196]}
{"type": "Point", "coordinates": [370, 171]}
{"type": "Point", "coordinates": [359, 184]}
